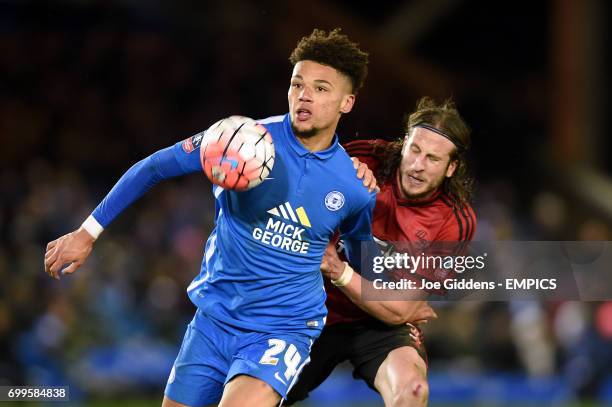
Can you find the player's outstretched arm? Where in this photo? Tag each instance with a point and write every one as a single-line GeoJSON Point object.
{"type": "Point", "coordinates": [390, 312]}
{"type": "Point", "coordinates": [72, 248]}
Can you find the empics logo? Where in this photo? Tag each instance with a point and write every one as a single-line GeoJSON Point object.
{"type": "Point", "coordinates": [286, 236]}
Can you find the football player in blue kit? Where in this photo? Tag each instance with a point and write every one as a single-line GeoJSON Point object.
{"type": "Point", "coordinates": [259, 294]}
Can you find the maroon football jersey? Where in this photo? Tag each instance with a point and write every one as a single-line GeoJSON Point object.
{"type": "Point", "coordinates": [436, 218]}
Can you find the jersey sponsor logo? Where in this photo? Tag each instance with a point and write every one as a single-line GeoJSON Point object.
{"type": "Point", "coordinates": [334, 200]}
{"type": "Point", "coordinates": [285, 235]}
{"type": "Point", "coordinates": [192, 143]}
{"type": "Point", "coordinates": [285, 211]}
{"type": "Point", "coordinates": [282, 235]}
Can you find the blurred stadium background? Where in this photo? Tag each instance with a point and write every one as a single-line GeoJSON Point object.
{"type": "Point", "coordinates": [89, 87]}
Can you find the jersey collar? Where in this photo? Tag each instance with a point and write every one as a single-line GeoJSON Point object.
{"type": "Point", "coordinates": [299, 148]}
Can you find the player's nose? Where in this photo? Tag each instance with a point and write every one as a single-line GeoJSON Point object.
{"type": "Point", "coordinates": [417, 164]}
{"type": "Point", "coordinates": [305, 95]}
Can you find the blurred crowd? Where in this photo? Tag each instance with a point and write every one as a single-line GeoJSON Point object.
{"type": "Point", "coordinates": [86, 92]}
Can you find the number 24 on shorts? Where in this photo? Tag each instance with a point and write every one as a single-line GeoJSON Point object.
{"type": "Point", "coordinates": [292, 357]}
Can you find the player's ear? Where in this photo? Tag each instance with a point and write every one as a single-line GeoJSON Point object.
{"type": "Point", "coordinates": [347, 103]}
{"type": "Point", "coordinates": [450, 170]}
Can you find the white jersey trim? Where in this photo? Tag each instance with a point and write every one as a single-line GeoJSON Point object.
{"type": "Point", "coordinates": [299, 371]}
{"type": "Point", "coordinates": [218, 191]}
{"type": "Point", "coordinates": [92, 227]}
{"type": "Point", "coordinates": [272, 119]}
{"type": "Point", "coordinates": [209, 252]}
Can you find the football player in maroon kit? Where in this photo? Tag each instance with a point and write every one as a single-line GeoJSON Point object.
{"type": "Point", "coordinates": [425, 189]}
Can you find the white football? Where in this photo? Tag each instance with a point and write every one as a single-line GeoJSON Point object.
{"type": "Point", "coordinates": [237, 153]}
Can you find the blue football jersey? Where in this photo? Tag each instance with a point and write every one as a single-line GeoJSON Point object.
{"type": "Point", "coordinates": [260, 269]}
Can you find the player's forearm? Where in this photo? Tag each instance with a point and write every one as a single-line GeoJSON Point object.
{"type": "Point", "coordinates": [136, 181]}
{"type": "Point", "coordinates": [390, 312]}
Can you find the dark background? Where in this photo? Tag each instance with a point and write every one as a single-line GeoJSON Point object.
{"type": "Point", "coordinates": [87, 88]}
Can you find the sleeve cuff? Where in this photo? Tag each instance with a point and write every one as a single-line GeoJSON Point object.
{"type": "Point", "coordinates": [92, 227]}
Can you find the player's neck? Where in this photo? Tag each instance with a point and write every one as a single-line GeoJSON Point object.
{"type": "Point", "coordinates": [319, 142]}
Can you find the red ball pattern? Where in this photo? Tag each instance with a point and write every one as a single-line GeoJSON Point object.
{"type": "Point", "coordinates": [237, 153]}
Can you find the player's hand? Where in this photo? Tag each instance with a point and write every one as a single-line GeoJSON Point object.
{"type": "Point", "coordinates": [365, 173]}
{"type": "Point", "coordinates": [71, 249]}
{"type": "Point", "coordinates": [422, 314]}
{"type": "Point", "coordinates": [332, 266]}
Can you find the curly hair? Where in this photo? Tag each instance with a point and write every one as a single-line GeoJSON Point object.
{"type": "Point", "coordinates": [336, 50]}
{"type": "Point", "coordinates": [445, 118]}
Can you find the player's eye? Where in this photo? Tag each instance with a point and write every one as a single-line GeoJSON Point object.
{"type": "Point", "coordinates": [296, 85]}
{"type": "Point", "coordinates": [321, 89]}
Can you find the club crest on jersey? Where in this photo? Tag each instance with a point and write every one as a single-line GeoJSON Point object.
{"type": "Point", "coordinates": [334, 200]}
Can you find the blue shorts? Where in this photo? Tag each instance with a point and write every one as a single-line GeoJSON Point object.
{"type": "Point", "coordinates": [213, 353]}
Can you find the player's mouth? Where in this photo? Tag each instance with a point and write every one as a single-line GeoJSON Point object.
{"type": "Point", "coordinates": [414, 181]}
{"type": "Point", "coordinates": [303, 114]}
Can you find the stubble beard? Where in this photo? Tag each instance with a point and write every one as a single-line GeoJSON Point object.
{"type": "Point", "coordinates": [431, 188]}
{"type": "Point", "coordinates": [305, 134]}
